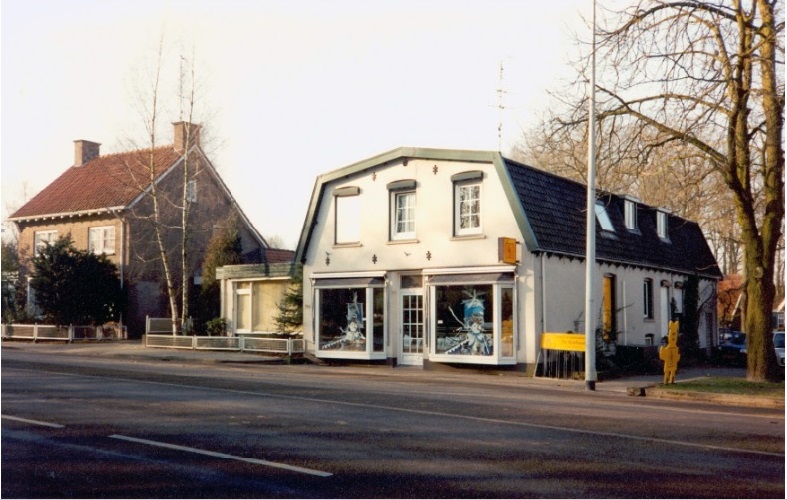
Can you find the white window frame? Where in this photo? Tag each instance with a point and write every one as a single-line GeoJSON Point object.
{"type": "Point", "coordinates": [647, 299]}
{"type": "Point", "coordinates": [104, 243]}
{"type": "Point", "coordinates": [403, 215]}
{"type": "Point", "coordinates": [458, 202]}
{"type": "Point", "coordinates": [366, 293]}
{"type": "Point", "coordinates": [42, 237]}
{"type": "Point", "coordinates": [496, 358]}
{"type": "Point", "coordinates": [662, 225]}
{"type": "Point", "coordinates": [603, 217]}
{"type": "Point", "coordinates": [630, 210]}
{"type": "Point", "coordinates": [347, 221]}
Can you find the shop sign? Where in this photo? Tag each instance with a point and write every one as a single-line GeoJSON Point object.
{"type": "Point", "coordinates": [563, 342]}
{"type": "Point", "coordinates": [506, 250]}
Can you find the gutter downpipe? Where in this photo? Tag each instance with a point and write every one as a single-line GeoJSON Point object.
{"type": "Point", "coordinates": [590, 244]}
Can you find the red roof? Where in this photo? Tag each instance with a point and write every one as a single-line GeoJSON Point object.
{"type": "Point", "coordinates": [278, 255]}
{"type": "Point", "coordinates": [113, 180]}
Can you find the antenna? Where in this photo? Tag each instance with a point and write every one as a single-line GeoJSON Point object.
{"type": "Point", "coordinates": [500, 107]}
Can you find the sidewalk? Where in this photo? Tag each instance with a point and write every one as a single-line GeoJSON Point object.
{"type": "Point", "coordinates": [640, 385]}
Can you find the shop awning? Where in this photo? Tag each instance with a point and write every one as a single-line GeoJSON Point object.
{"type": "Point", "coordinates": [458, 279]}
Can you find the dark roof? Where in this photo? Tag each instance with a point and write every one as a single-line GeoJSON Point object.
{"type": "Point", "coordinates": [555, 209]}
{"type": "Point", "coordinates": [108, 181]}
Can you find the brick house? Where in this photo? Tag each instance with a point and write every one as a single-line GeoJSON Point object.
{"type": "Point", "coordinates": [104, 203]}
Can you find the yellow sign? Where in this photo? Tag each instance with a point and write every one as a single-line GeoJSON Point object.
{"type": "Point", "coordinates": [563, 341]}
{"type": "Point", "coordinates": [506, 250]}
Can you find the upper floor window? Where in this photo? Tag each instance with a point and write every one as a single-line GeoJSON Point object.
{"type": "Point", "coordinates": [348, 215]}
{"type": "Point", "coordinates": [402, 209]}
{"type": "Point", "coordinates": [191, 192]}
{"type": "Point", "coordinates": [467, 203]}
{"type": "Point", "coordinates": [41, 238]}
{"type": "Point", "coordinates": [662, 226]}
{"type": "Point", "coordinates": [630, 208]}
{"type": "Point", "coordinates": [101, 240]}
{"type": "Point", "coordinates": [603, 217]}
{"type": "Point", "coordinates": [647, 298]}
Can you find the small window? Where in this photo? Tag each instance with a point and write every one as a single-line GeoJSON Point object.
{"type": "Point", "coordinates": [101, 240]}
{"type": "Point", "coordinates": [41, 238]}
{"type": "Point", "coordinates": [191, 192]}
{"type": "Point", "coordinates": [647, 298]}
{"type": "Point", "coordinates": [603, 217]}
{"type": "Point", "coordinates": [662, 225]}
{"type": "Point", "coordinates": [467, 199]}
{"type": "Point", "coordinates": [630, 208]}
{"type": "Point", "coordinates": [348, 216]}
{"type": "Point", "coordinates": [403, 216]}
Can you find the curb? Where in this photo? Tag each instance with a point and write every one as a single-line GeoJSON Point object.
{"type": "Point", "coordinates": [709, 397]}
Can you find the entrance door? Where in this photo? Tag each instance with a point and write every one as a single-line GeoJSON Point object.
{"type": "Point", "coordinates": [411, 328]}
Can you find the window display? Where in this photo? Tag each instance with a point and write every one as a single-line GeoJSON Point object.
{"type": "Point", "coordinates": [342, 319]}
{"type": "Point", "coordinates": [464, 320]}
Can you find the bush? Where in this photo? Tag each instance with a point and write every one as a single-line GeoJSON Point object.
{"type": "Point", "coordinates": [217, 327]}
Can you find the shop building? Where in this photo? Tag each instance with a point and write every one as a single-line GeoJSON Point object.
{"type": "Point", "coordinates": [424, 256]}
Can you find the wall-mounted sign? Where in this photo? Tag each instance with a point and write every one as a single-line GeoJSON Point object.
{"type": "Point", "coordinates": [563, 342]}
{"type": "Point", "coordinates": [506, 250]}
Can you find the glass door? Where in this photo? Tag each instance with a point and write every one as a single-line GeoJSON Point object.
{"type": "Point", "coordinates": [411, 328]}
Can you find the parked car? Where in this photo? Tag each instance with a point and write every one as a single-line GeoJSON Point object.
{"type": "Point", "coordinates": [732, 349]}
{"type": "Point", "coordinates": [778, 346]}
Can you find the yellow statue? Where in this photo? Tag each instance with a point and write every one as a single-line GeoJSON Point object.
{"type": "Point", "coordinates": [670, 354]}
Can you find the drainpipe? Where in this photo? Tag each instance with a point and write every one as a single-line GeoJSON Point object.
{"type": "Point", "coordinates": [543, 294]}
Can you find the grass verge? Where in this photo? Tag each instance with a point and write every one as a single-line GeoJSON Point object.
{"type": "Point", "coordinates": [727, 385]}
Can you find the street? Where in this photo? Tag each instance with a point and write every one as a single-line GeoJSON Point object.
{"type": "Point", "coordinates": [79, 426]}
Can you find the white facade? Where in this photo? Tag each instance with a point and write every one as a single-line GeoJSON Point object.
{"type": "Point", "coordinates": [401, 263]}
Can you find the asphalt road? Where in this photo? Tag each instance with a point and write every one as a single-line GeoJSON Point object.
{"type": "Point", "coordinates": [78, 426]}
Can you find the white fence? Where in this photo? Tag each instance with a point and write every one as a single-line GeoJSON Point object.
{"type": "Point", "coordinates": [64, 333]}
{"type": "Point", "coordinates": [288, 346]}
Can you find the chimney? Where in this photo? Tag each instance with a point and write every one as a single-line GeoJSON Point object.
{"type": "Point", "coordinates": [84, 151]}
{"type": "Point", "coordinates": [185, 131]}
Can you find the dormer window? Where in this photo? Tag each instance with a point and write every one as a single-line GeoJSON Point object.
{"type": "Point", "coordinates": [662, 224]}
{"type": "Point", "coordinates": [630, 212]}
{"type": "Point", "coordinates": [603, 218]}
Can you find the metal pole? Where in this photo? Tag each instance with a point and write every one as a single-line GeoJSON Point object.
{"type": "Point", "coordinates": [590, 243]}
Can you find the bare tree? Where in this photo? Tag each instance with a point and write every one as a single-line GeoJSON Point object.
{"type": "Point", "coordinates": [705, 77]}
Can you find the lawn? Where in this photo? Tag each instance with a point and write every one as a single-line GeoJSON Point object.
{"type": "Point", "coordinates": [729, 385]}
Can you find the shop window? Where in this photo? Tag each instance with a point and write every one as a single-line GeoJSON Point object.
{"type": "Point", "coordinates": [351, 321]}
{"type": "Point", "coordinates": [473, 323]}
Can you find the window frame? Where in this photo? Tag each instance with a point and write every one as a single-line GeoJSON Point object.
{"type": "Point", "coordinates": [647, 299]}
{"type": "Point", "coordinates": [602, 217]}
{"type": "Point", "coordinates": [497, 320]}
{"type": "Point", "coordinates": [630, 210]}
{"type": "Point", "coordinates": [347, 212]}
{"type": "Point", "coordinates": [375, 299]}
{"type": "Point", "coordinates": [458, 202]}
{"type": "Point", "coordinates": [38, 243]}
{"type": "Point", "coordinates": [191, 191]}
{"type": "Point", "coordinates": [662, 225]}
{"type": "Point", "coordinates": [397, 211]}
{"type": "Point", "coordinates": [102, 240]}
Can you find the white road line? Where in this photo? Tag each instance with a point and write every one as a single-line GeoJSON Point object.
{"type": "Point", "coordinates": [572, 430]}
{"type": "Point", "coordinates": [36, 422]}
{"type": "Point", "coordinates": [214, 454]}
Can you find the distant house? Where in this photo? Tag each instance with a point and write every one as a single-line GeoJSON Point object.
{"type": "Point", "coordinates": [104, 203]}
{"type": "Point", "coordinates": [428, 256]}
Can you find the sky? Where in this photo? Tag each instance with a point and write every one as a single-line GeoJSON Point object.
{"type": "Point", "coordinates": [287, 89]}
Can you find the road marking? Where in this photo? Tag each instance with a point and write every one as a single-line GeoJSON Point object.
{"type": "Point", "coordinates": [214, 454]}
{"type": "Point", "coordinates": [436, 413]}
{"type": "Point", "coordinates": [36, 422]}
